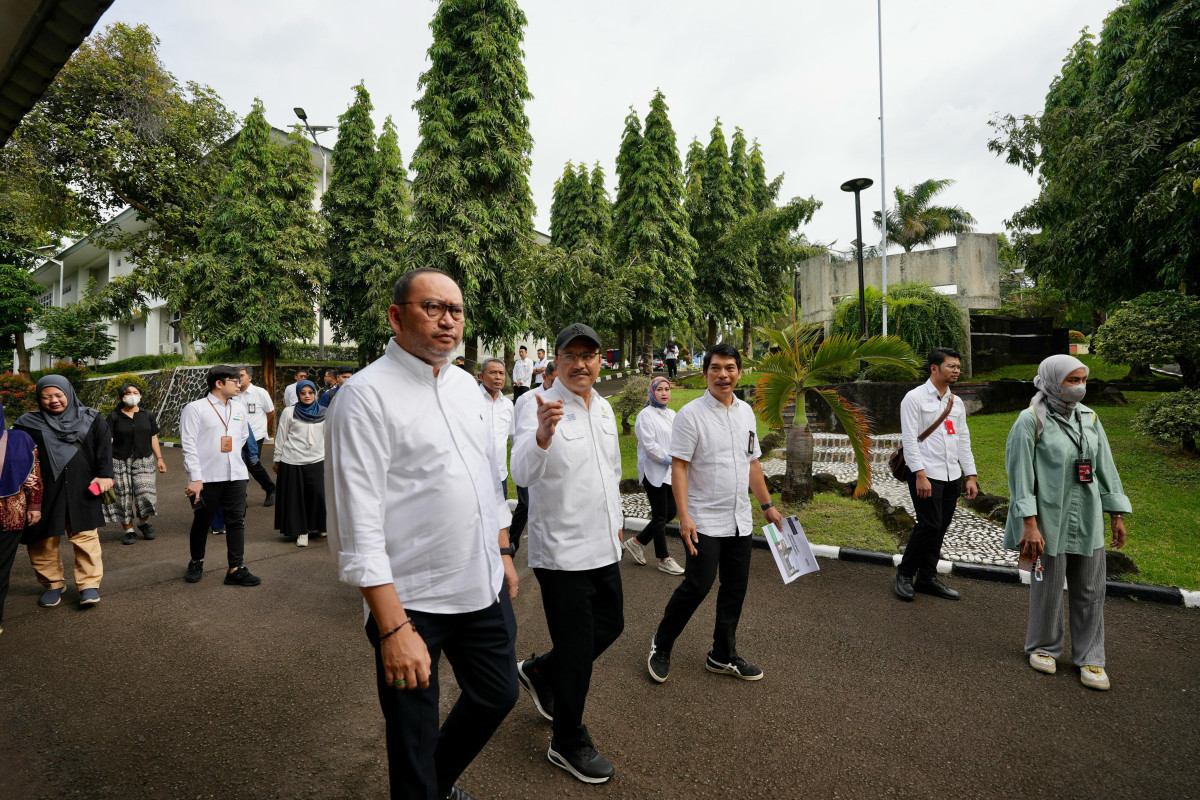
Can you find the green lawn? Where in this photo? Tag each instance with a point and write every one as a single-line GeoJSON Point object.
{"type": "Point", "coordinates": [1164, 529]}
{"type": "Point", "coordinates": [1098, 369]}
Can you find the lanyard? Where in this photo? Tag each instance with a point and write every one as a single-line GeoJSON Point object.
{"type": "Point", "coordinates": [218, 413]}
{"type": "Point", "coordinates": [1071, 434]}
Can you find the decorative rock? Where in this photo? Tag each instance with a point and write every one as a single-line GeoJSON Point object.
{"type": "Point", "coordinates": [630, 486]}
{"type": "Point", "coordinates": [771, 441]}
{"type": "Point", "coordinates": [984, 503]}
{"type": "Point", "coordinates": [999, 515]}
{"type": "Point", "coordinates": [775, 483]}
{"type": "Point", "coordinates": [1117, 563]}
{"type": "Point", "coordinates": [1112, 394]}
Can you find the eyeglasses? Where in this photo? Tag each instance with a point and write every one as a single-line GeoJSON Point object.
{"type": "Point", "coordinates": [435, 310]}
{"type": "Point", "coordinates": [583, 358]}
{"type": "Point", "coordinates": [952, 367]}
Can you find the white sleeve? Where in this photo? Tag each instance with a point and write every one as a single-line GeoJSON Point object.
{"type": "Point", "coordinates": [528, 462]}
{"type": "Point", "coordinates": [910, 429]}
{"type": "Point", "coordinates": [189, 430]}
{"type": "Point", "coordinates": [281, 432]}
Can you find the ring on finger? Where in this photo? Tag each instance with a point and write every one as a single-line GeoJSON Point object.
{"type": "Point", "coordinates": [400, 683]}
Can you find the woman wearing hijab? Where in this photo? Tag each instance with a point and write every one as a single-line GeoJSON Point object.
{"type": "Point", "coordinates": [300, 465]}
{"type": "Point", "coordinates": [20, 498]}
{"type": "Point", "coordinates": [136, 455]}
{"type": "Point", "coordinates": [76, 445]}
{"type": "Point", "coordinates": [1061, 481]}
{"type": "Point", "coordinates": [653, 429]}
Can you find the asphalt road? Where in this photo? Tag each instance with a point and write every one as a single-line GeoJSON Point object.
{"type": "Point", "coordinates": [171, 690]}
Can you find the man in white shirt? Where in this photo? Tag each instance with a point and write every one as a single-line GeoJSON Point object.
{"type": "Point", "coordinates": [212, 431]}
{"type": "Point", "coordinates": [500, 408]}
{"type": "Point", "coordinates": [565, 451]}
{"type": "Point", "coordinates": [714, 461]}
{"type": "Point", "coordinates": [420, 527]}
{"type": "Point", "coordinates": [260, 408]}
{"type": "Point", "coordinates": [936, 466]}
{"type": "Point", "coordinates": [671, 357]}
{"type": "Point", "coordinates": [539, 367]}
{"type": "Point", "coordinates": [520, 514]}
{"type": "Point", "coordinates": [289, 393]}
{"type": "Point", "coordinates": [522, 373]}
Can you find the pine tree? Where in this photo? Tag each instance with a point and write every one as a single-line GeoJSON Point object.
{"type": "Point", "coordinates": [627, 166]}
{"type": "Point", "coordinates": [721, 278]}
{"type": "Point", "coordinates": [472, 208]}
{"type": "Point", "coordinates": [260, 268]}
{"type": "Point", "coordinates": [392, 216]}
{"type": "Point", "coordinates": [739, 178]}
{"type": "Point", "coordinates": [602, 207]}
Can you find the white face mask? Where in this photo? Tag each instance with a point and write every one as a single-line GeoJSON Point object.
{"type": "Point", "coordinates": [132, 400]}
{"type": "Point", "coordinates": [1073, 394]}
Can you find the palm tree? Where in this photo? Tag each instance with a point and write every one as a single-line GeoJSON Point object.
{"type": "Point", "coordinates": [913, 221]}
{"type": "Point", "coordinates": [798, 363]}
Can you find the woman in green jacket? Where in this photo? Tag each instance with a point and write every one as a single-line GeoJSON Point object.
{"type": "Point", "coordinates": [1061, 482]}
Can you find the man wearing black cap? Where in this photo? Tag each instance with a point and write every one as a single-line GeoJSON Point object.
{"type": "Point", "coordinates": [565, 452]}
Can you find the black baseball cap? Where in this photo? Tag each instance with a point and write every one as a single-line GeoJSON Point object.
{"type": "Point", "coordinates": [575, 331]}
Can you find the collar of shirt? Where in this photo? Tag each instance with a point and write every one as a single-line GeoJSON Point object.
{"type": "Point", "coordinates": [419, 370]}
{"type": "Point", "coordinates": [931, 389]}
{"type": "Point", "coordinates": [488, 395]}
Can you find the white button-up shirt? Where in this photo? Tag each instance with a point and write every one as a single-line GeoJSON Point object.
{"type": "Point", "coordinates": [298, 442]}
{"type": "Point", "coordinates": [202, 423]}
{"type": "Point", "coordinates": [541, 364]}
{"type": "Point", "coordinates": [290, 398]}
{"type": "Point", "coordinates": [653, 429]}
{"type": "Point", "coordinates": [500, 413]}
{"type": "Point", "coordinates": [410, 483]}
{"type": "Point", "coordinates": [948, 447]}
{"type": "Point", "coordinates": [258, 403]}
{"type": "Point", "coordinates": [719, 444]}
{"type": "Point", "coordinates": [574, 484]}
{"type": "Point", "coordinates": [522, 372]}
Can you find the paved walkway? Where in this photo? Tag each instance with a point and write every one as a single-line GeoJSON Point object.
{"type": "Point", "coordinates": [170, 690]}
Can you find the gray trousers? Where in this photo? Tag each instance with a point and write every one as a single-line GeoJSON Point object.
{"type": "Point", "coordinates": [1085, 579]}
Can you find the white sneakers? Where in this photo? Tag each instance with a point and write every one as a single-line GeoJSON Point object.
{"type": "Point", "coordinates": [670, 566]}
{"type": "Point", "coordinates": [635, 550]}
{"type": "Point", "coordinates": [1094, 678]}
{"type": "Point", "coordinates": [1043, 663]}
{"type": "Point", "coordinates": [302, 540]}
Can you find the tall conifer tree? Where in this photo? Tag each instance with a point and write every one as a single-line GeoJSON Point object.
{"type": "Point", "coordinates": [721, 282]}
{"type": "Point", "coordinates": [739, 177]}
{"type": "Point", "coordinates": [472, 208]}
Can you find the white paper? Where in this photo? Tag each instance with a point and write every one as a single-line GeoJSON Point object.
{"type": "Point", "coordinates": [789, 545]}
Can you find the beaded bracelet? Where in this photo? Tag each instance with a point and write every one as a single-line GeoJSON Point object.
{"type": "Point", "coordinates": [396, 629]}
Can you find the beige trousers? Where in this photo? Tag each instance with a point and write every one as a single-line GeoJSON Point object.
{"type": "Point", "coordinates": [89, 566]}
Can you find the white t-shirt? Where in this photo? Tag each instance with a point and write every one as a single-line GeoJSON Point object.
{"type": "Point", "coordinates": [258, 404]}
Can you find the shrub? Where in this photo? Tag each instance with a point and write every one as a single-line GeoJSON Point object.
{"type": "Point", "coordinates": [139, 364]}
{"type": "Point", "coordinates": [1077, 337]}
{"type": "Point", "coordinates": [16, 395]}
{"type": "Point", "coordinates": [1155, 328]}
{"type": "Point", "coordinates": [75, 374]}
{"type": "Point", "coordinates": [110, 398]}
{"type": "Point", "coordinates": [1173, 418]}
{"type": "Point", "coordinates": [631, 400]}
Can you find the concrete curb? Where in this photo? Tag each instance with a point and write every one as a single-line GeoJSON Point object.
{"type": "Point", "coordinates": [1167, 595]}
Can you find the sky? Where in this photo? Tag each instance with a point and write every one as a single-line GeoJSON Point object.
{"type": "Point", "coordinates": [801, 76]}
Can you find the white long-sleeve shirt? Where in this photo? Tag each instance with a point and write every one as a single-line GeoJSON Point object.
{"type": "Point", "coordinates": [541, 364]}
{"type": "Point", "coordinates": [298, 442]}
{"type": "Point", "coordinates": [202, 423]}
{"type": "Point", "coordinates": [653, 430]}
{"type": "Point", "coordinates": [719, 445]}
{"type": "Point", "coordinates": [948, 447]}
{"type": "Point", "coordinates": [522, 372]}
{"type": "Point", "coordinates": [290, 398]}
{"type": "Point", "coordinates": [574, 484]}
{"type": "Point", "coordinates": [410, 484]}
{"type": "Point", "coordinates": [259, 403]}
{"type": "Point", "coordinates": [500, 413]}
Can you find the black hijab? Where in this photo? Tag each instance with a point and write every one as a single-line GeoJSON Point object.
{"type": "Point", "coordinates": [61, 431]}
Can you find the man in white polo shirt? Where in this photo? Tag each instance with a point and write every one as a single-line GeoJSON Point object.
{"type": "Point", "coordinates": [714, 461]}
{"type": "Point", "coordinates": [419, 526]}
{"type": "Point", "coordinates": [261, 410]}
{"type": "Point", "coordinates": [539, 367]}
{"type": "Point", "coordinates": [289, 393]}
{"type": "Point", "coordinates": [565, 452]}
{"type": "Point", "coordinates": [500, 414]}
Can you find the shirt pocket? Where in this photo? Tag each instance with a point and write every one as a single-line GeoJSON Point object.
{"type": "Point", "coordinates": [574, 441]}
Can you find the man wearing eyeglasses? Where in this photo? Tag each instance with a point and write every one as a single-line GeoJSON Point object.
{"type": "Point", "coordinates": [565, 452]}
{"type": "Point", "coordinates": [936, 464]}
{"type": "Point", "coordinates": [420, 526]}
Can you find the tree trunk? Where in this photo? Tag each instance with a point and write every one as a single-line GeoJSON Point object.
{"type": "Point", "coordinates": [747, 338]}
{"type": "Point", "coordinates": [620, 347]}
{"type": "Point", "coordinates": [269, 352]}
{"type": "Point", "coordinates": [798, 479]}
{"type": "Point", "coordinates": [187, 349]}
{"type": "Point", "coordinates": [1188, 369]}
{"type": "Point", "coordinates": [648, 350]}
{"type": "Point", "coordinates": [1139, 371]}
{"type": "Point", "coordinates": [711, 341]}
{"type": "Point", "coordinates": [22, 356]}
{"type": "Point", "coordinates": [510, 358]}
{"type": "Point", "coordinates": [471, 354]}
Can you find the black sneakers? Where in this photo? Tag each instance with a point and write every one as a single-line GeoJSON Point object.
{"type": "Point", "coordinates": [932, 585]}
{"type": "Point", "coordinates": [195, 572]}
{"type": "Point", "coordinates": [585, 763]}
{"type": "Point", "coordinates": [129, 538]}
{"type": "Point", "coordinates": [659, 662]}
{"type": "Point", "coordinates": [736, 666]}
{"type": "Point", "coordinates": [542, 695]}
{"type": "Point", "coordinates": [241, 577]}
{"type": "Point", "coordinates": [147, 529]}
{"type": "Point", "coordinates": [269, 500]}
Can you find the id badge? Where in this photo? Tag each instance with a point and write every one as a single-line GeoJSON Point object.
{"type": "Point", "coordinates": [949, 426]}
{"type": "Point", "coordinates": [1083, 468]}
{"type": "Point", "coordinates": [226, 444]}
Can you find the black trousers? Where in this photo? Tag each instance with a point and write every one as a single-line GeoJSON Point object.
{"type": "Point", "coordinates": [520, 517]}
{"type": "Point", "coordinates": [230, 496]}
{"type": "Point", "coordinates": [424, 760]}
{"type": "Point", "coordinates": [662, 511]}
{"type": "Point", "coordinates": [672, 367]}
{"type": "Point", "coordinates": [585, 614]}
{"type": "Point", "coordinates": [729, 556]}
{"type": "Point", "coordinates": [259, 472]}
{"type": "Point", "coordinates": [934, 514]}
{"type": "Point", "coordinates": [9, 540]}
{"type": "Point", "coordinates": [518, 391]}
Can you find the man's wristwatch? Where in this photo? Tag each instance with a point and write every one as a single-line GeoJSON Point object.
{"type": "Point", "coordinates": [765, 506]}
{"type": "Point", "coordinates": [511, 550]}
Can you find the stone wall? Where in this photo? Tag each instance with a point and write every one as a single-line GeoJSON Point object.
{"type": "Point", "coordinates": [999, 341]}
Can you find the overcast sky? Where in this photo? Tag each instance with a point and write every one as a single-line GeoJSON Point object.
{"type": "Point", "coordinates": [801, 76]}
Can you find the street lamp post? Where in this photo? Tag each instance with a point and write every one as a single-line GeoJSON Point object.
{"type": "Point", "coordinates": [856, 185]}
{"type": "Point", "coordinates": [313, 130]}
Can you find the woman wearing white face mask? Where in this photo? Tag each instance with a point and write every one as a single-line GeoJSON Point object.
{"type": "Point", "coordinates": [136, 456]}
{"type": "Point", "coordinates": [1061, 482]}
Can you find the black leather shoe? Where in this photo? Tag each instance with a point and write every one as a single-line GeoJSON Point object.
{"type": "Point", "coordinates": [936, 588]}
{"type": "Point", "coordinates": [270, 498]}
{"type": "Point", "coordinates": [904, 587]}
{"type": "Point", "coordinates": [458, 793]}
